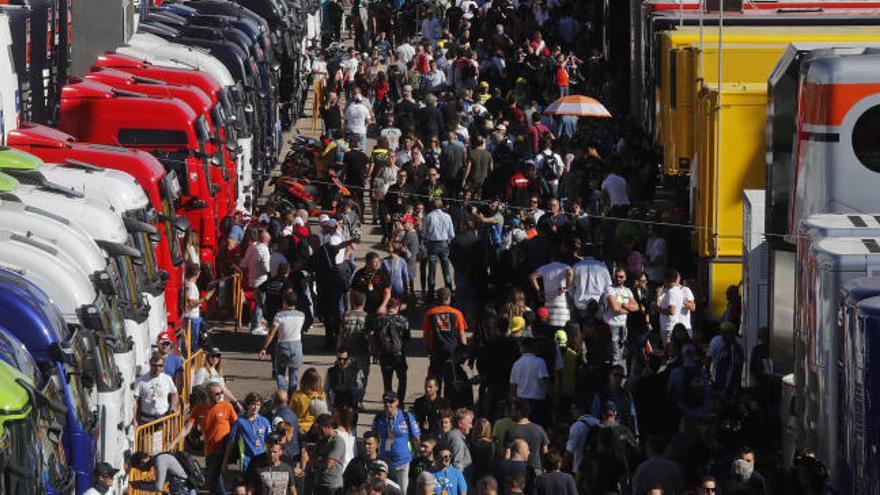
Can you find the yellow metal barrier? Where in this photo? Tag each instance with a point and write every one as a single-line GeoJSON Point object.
{"type": "Point", "coordinates": [158, 435]}
{"type": "Point", "coordinates": [237, 299]}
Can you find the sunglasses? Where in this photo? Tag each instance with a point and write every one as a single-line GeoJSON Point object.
{"type": "Point", "coordinates": [165, 343]}
{"type": "Point", "coordinates": [446, 458]}
{"type": "Point", "coordinates": [157, 364]}
{"type": "Point", "coordinates": [342, 359]}
{"type": "Point", "coordinates": [217, 394]}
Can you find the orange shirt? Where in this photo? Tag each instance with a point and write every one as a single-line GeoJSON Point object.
{"type": "Point", "coordinates": [448, 317]}
{"type": "Point", "coordinates": [215, 421]}
{"type": "Point", "coordinates": [561, 76]}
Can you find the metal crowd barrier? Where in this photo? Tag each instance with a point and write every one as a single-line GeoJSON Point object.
{"type": "Point", "coordinates": [157, 436]}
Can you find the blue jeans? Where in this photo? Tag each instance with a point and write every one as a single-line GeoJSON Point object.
{"type": "Point", "coordinates": [260, 299]}
{"type": "Point", "coordinates": [196, 334]}
{"type": "Point", "coordinates": [438, 250]}
{"type": "Point", "coordinates": [288, 360]}
{"type": "Point", "coordinates": [214, 474]}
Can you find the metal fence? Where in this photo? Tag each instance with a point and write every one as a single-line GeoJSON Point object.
{"type": "Point", "coordinates": [158, 436]}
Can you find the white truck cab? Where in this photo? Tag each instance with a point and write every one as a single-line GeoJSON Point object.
{"type": "Point", "coordinates": [71, 289]}
{"type": "Point", "coordinates": [9, 100]}
{"type": "Point", "coordinates": [124, 196]}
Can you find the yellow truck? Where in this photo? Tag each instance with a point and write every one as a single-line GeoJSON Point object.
{"type": "Point", "coordinates": [729, 141]}
{"type": "Point", "coordinates": [749, 54]}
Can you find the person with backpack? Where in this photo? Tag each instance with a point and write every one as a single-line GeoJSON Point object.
{"type": "Point", "coordinates": [609, 455]}
{"type": "Point", "coordinates": [550, 166]}
{"type": "Point", "coordinates": [215, 417]}
{"type": "Point", "coordinates": [390, 333]}
{"type": "Point", "coordinates": [444, 327]}
{"type": "Point", "coordinates": [168, 469]}
{"type": "Point", "coordinates": [398, 438]}
{"type": "Point", "coordinates": [688, 387]}
{"type": "Point", "coordinates": [728, 357]}
{"type": "Point", "coordinates": [354, 334]}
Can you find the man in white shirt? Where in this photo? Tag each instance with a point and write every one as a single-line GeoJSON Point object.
{"type": "Point", "coordinates": [619, 302]}
{"type": "Point", "coordinates": [615, 190]}
{"type": "Point", "coordinates": [670, 300]}
{"type": "Point", "coordinates": [194, 301]}
{"type": "Point", "coordinates": [406, 51]}
{"type": "Point", "coordinates": [591, 277]}
{"type": "Point", "coordinates": [556, 278]}
{"type": "Point", "coordinates": [550, 166]}
{"type": "Point", "coordinates": [687, 306]}
{"type": "Point", "coordinates": [256, 265]}
{"type": "Point", "coordinates": [287, 326]}
{"type": "Point", "coordinates": [154, 392]}
{"type": "Point", "coordinates": [529, 378]}
{"type": "Point", "coordinates": [357, 118]}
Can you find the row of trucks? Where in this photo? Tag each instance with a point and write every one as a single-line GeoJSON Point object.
{"type": "Point", "coordinates": [769, 127]}
{"type": "Point", "coordinates": [101, 180]}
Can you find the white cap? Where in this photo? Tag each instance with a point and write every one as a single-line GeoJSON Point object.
{"type": "Point", "coordinates": [324, 218]}
{"type": "Point", "coordinates": [298, 221]}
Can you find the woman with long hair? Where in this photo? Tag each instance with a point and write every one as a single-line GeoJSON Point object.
{"type": "Point", "coordinates": [309, 400]}
{"type": "Point", "coordinates": [346, 421]}
{"type": "Point", "coordinates": [482, 448]}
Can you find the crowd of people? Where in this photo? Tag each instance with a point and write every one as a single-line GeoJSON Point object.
{"type": "Point", "coordinates": [566, 352]}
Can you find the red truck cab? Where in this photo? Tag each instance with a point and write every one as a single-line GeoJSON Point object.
{"type": "Point", "coordinates": [222, 110]}
{"type": "Point", "coordinates": [161, 187]}
{"type": "Point", "coordinates": [166, 127]}
{"type": "Point", "coordinates": [201, 104]}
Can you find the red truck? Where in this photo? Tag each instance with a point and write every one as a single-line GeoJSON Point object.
{"type": "Point", "coordinates": [166, 127]}
{"type": "Point", "coordinates": [161, 187]}
{"type": "Point", "coordinates": [236, 135]}
{"type": "Point", "coordinates": [220, 159]}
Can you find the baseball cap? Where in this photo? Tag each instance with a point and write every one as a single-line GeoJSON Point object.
{"type": "Point", "coordinates": [407, 89]}
{"type": "Point", "coordinates": [164, 337]}
{"type": "Point", "coordinates": [408, 219]}
{"type": "Point", "coordinates": [543, 312]}
{"type": "Point", "coordinates": [484, 84]}
{"type": "Point", "coordinates": [264, 218]}
{"type": "Point", "coordinates": [324, 218]}
{"type": "Point", "coordinates": [104, 469]}
{"type": "Point", "coordinates": [517, 323]}
{"type": "Point", "coordinates": [299, 221]}
{"type": "Point", "coordinates": [331, 223]}
{"type": "Point", "coordinates": [609, 408]}
{"type": "Point", "coordinates": [214, 352]}
{"type": "Point", "coordinates": [379, 465]}
{"type": "Point", "coordinates": [390, 395]}
{"type": "Point", "coordinates": [561, 337]}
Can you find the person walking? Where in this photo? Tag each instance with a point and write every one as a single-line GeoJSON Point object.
{"type": "Point", "coordinates": [287, 326]}
{"type": "Point", "coordinates": [353, 337]}
{"type": "Point", "coordinates": [215, 417]}
{"type": "Point", "coordinates": [345, 381]}
{"type": "Point", "coordinates": [358, 470]}
{"type": "Point", "coordinates": [249, 433]}
{"type": "Point", "coordinates": [448, 480]}
{"type": "Point", "coordinates": [309, 400]}
{"type": "Point", "coordinates": [439, 232]}
{"type": "Point", "coordinates": [444, 327]}
{"type": "Point", "coordinates": [398, 438]}
{"type": "Point", "coordinates": [328, 462]}
{"type": "Point", "coordinates": [390, 333]}
{"type": "Point", "coordinates": [276, 477]}
{"type": "Point", "coordinates": [212, 372]}
{"type": "Point", "coordinates": [256, 267]}
{"type": "Point", "coordinates": [457, 440]}
{"type": "Point", "coordinates": [530, 379]}
{"type": "Point", "coordinates": [554, 481]}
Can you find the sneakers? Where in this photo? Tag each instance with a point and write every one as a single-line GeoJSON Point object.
{"type": "Point", "coordinates": [261, 329]}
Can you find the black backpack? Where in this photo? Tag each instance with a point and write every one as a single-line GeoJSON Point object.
{"type": "Point", "coordinates": [195, 476]}
{"type": "Point", "coordinates": [694, 387]}
{"type": "Point", "coordinates": [550, 166]}
{"type": "Point", "coordinates": [387, 336]}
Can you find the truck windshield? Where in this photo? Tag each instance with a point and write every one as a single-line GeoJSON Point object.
{"type": "Point", "coordinates": [113, 325]}
{"type": "Point", "coordinates": [149, 268]}
{"type": "Point", "coordinates": [76, 382]}
{"type": "Point", "coordinates": [203, 133]}
{"type": "Point", "coordinates": [21, 454]}
{"type": "Point", "coordinates": [128, 276]}
{"type": "Point", "coordinates": [54, 462]}
{"type": "Point", "coordinates": [170, 192]}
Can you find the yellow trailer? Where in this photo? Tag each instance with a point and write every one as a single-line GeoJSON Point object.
{"type": "Point", "coordinates": [749, 53]}
{"type": "Point", "coordinates": [729, 141]}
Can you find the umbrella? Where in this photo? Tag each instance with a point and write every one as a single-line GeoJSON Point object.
{"type": "Point", "coordinates": [582, 106]}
